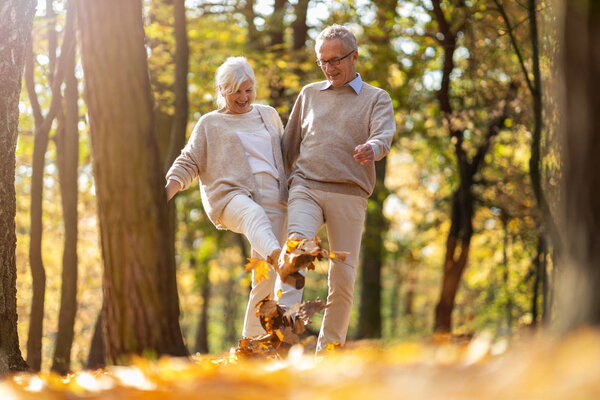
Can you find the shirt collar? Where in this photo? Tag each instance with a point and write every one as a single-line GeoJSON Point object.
{"type": "Point", "coordinates": [355, 84]}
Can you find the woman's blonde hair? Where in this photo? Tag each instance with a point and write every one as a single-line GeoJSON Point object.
{"type": "Point", "coordinates": [230, 75]}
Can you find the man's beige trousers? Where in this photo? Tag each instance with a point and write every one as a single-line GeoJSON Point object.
{"type": "Point", "coordinates": [343, 216]}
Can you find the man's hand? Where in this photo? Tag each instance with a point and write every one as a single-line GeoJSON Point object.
{"type": "Point", "coordinates": [172, 188]}
{"type": "Point", "coordinates": [363, 154]}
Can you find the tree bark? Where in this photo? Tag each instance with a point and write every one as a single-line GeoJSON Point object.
{"type": "Point", "coordinates": [17, 20]}
{"type": "Point", "coordinates": [97, 355]}
{"type": "Point", "coordinates": [129, 183]}
{"type": "Point", "coordinates": [578, 300]}
{"type": "Point", "coordinates": [67, 153]}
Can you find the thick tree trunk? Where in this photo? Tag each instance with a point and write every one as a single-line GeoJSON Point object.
{"type": "Point", "coordinates": [129, 183]}
{"type": "Point", "coordinates": [578, 301]}
{"type": "Point", "coordinates": [17, 19]}
{"type": "Point", "coordinates": [67, 152]}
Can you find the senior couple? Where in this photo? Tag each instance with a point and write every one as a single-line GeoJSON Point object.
{"type": "Point", "coordinates": [246, 161]}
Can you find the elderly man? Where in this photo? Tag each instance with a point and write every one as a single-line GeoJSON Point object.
{"type": "Point", "coordinates": [337, 129]}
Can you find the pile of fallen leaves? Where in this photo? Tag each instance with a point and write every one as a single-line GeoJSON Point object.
{"type": "Point", "coordinates": [482, 368]}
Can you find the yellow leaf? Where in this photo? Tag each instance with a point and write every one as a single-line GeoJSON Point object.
{"type": "Point", "coordinates": [279, 293]}
{"type": "Point", "coordinates": [261, 268]}
{"type": "Point", "coordinates": [292, 244]}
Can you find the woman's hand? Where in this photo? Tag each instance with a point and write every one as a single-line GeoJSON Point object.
{"type": "Point", "coordinates": [172, 188]}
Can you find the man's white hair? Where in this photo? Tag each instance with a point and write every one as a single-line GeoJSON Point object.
{"type": "Point", "coordinates": [340, 32]}
{"type": "Point", "coordinates": [230, 76]}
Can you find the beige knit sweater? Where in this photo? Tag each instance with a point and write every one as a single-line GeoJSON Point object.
{"type": "Point", "coordinates": [216, 155]}
{"type": "Point", "coordinates": [325, 127]}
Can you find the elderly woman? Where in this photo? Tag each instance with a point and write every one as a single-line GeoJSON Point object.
{"type": "Point", "coordinates": [236, 153]}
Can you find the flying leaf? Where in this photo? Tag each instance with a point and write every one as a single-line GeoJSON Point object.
{"type": "Point", "coordinates": [338, 255]}
{"type": "Point", "coordinates": [261, 268]}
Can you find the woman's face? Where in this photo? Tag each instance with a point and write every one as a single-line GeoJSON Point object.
{"type": "Point", "coordinates": [240, 102]}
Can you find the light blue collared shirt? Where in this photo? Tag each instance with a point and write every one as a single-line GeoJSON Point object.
{"type": "Point", "coordinates": [355, 84]}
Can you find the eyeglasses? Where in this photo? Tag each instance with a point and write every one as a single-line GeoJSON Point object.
{"type": "Point", "coordinates": [333, 61]}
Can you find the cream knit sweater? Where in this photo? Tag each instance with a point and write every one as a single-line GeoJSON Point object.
{"type": "Point", "coordinates": [324, 128]}
{"type": "Point", "coordinates": [216, 155]}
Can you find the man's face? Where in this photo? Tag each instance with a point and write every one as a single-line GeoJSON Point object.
{"type": "Point", "coordinates": [344, 72]}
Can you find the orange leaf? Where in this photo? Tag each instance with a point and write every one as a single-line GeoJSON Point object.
{"type": "Point", "coordinates": [261, 268]}
{"type": "Point", "coordinates": [339, 255]}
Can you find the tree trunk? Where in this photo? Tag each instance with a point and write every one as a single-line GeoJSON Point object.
{"type": "Point", "coordinates": [201, 343]}
{"type": "Point", "coordinates": [276, 25]}
{"type": "Point", "coordinates": [461, 228]}
{"type": "Point", "coordinates": [42, 130]}
{"type": "Point", "coordinates": [129, 183]}
{"type": "Point", "coordinates": [369, 320]}
{"type": "Point", "coordinates": [17, 20]}
{"type": "Point", "coordinates": [253, 34]}
{"type": "Point", "coordinates": [67, 153]}
{"type": "Point", "coordinates": [539, 265]}
{"type": "Point", "coordinates": [578, 300]}
{"type": "Point", "coordinates": [454, 264]}
{"type": "Point", "coordinates": [300, 28]}
{"type": "Point", "coordinates": [230, 311]}
{"type": "Point", "coordinates": [97, 355]}
{"type": "Point", "coordinates": [168, 282]}
{"type": "Point", "coordinates": [506, 271]}
{"type": "Point", "coordinates": [38, 273]}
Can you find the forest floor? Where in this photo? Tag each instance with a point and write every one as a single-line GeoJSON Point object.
{"type": "Point", "coordinates": [440, 367]}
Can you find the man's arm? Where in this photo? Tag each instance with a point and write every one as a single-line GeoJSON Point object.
{"type": "Point", "coordinates": [382, 126]}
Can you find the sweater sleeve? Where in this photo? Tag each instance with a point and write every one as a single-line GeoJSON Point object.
{"type": "Point", "coordinates": [382, 126]}
{"type": "Point", "coordinates": [292, 135]}
{"type": "Point", "coordinates": [191, 160]}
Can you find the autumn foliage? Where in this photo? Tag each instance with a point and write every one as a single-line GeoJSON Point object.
{"type": "Point", "coordinates": [444, 368]}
